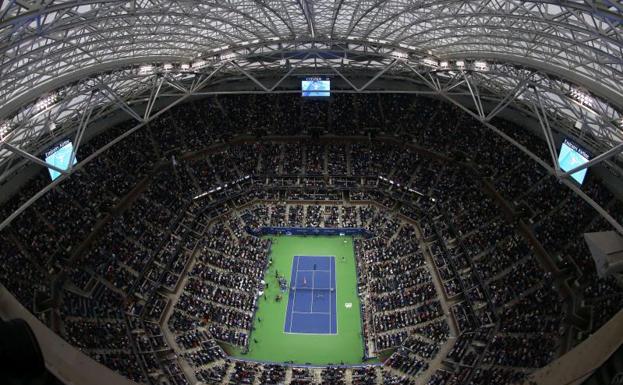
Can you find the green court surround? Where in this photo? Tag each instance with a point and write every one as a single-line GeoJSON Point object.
{"type": "Point", "coordinates": [273, 344]}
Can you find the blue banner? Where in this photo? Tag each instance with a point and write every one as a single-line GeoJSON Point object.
{"type": "Point", "coordinates": [338, 231]}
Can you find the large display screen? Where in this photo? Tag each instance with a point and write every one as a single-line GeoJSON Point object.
{"type": "Point", "coordinates": [60, 156]}
{"type": "Point", "coordinates": [316, 87]}
{"type": "Point", "coordinates": [571, 156]}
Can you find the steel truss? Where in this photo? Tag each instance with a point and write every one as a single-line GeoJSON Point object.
{"type": "Point", "coordinates": [45, 39]}
{"type": "Point", "coordinates": [481, 89]}
{"type": "Point", "coordinates": [66, 65]}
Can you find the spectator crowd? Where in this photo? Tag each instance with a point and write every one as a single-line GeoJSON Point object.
{"type": "Point", "coordinates": [166, 212]}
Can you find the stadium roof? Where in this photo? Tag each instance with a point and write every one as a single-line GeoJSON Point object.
{"type": "Point", "coordinates": [67, 63]}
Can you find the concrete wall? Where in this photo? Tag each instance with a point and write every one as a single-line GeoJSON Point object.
{"type": "Point", "coordinates": [63, 360]}
{"type": "Point", "coordinates": [580, 362]}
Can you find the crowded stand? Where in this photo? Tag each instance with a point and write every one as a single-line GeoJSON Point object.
{"type": "Point", "coordinates": [152, 244]}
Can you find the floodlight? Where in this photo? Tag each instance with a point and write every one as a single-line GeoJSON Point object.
{"type": "Point", "coordinates": [145, 69]}
{"type": "Point", "coordinates": [481, 65]}
{"type": "Point", "coordinates": [229, 56]}
{"type": "Point", "coordinates": [5, 128]}
{"type": "Point", "coordinates": [430, 62]}
{"type": "Point", "coordinates": [199, 64]}
{"type": "Point", "coordinates": [582, 97]}
{"type": "Point", "coordinates": [46, 102]}
{"type": "Point", "coordinates": [399, 54]}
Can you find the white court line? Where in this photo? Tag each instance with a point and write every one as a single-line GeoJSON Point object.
{"type": "Point", "coordinates": [330, 295]}
{"type": "Point", "coordinates": [303, 288]}
{"type": "Point", "coordinates": [310, 312]}
{"type": "Point", "coordinates": [330, 313]}
{"type": "Point", "coordinates": [311, 307]}
{"type": "Point", "coordinates": [337, 319]}
{"type": "Point", "coordinates": [314, 290]}
{"type": "Point", "coordinates": [311, 334]}
{"type": "Point", "coordinates": [320, 271]}
{"type": "Point", "coordinates": [294, 298]}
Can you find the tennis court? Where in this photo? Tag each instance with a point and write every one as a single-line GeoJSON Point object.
{"type": "Point", "coordinates": [270, 341]}
{"type": "Point", "coordinates": [312, 300]}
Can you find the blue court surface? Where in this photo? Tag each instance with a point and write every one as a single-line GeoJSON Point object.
{"type": "Point", "coordinates": [311, 305]}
